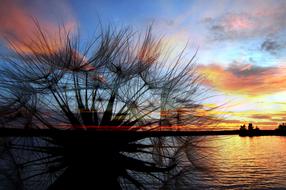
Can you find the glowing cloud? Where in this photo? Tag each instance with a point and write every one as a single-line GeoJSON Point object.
{"type": "Point", "coordinates": [18, 26]}
{"type": "Point", "coordinates": [245, 79]}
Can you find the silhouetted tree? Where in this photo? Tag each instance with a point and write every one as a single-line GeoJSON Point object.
{"type": "Point", "coordinates": [242, 127]}
{"type": "Point", "coordinates": [281, 127]}
{"type": "Point", "coordinates": [250, 127]}
{"type": "Point", "coordinates": [121, 80]}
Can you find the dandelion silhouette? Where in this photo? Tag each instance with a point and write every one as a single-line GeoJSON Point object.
{"type": "Point", "coordinates": [97, 103]}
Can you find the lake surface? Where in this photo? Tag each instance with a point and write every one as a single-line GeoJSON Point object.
{"type": "Point", "coordinates": [233, 162]}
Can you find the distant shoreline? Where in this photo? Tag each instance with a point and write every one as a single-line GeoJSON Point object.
{"type": "Point", "coordinates": [6, 132]}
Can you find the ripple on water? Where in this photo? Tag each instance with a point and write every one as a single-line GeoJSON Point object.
{"type": "Point", "coordinates": [244, 163]}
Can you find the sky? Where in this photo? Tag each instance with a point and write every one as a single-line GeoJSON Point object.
{"type": "Point", "coordinates": [241, 44]}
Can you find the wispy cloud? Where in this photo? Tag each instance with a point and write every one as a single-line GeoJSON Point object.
{"type": "Point", "coordinates": [263, 18]}
{"type": "Point", "coordinates": [260, 116]}
{"type": "Point", "coordinates": [18, 24]}
{"type": "Point", "coordinates": [230, 26]}
{"type": "Point", "coordinates": [272, 46]}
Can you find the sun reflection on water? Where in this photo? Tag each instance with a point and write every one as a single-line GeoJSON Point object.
{"type": "Point", "coordinates": [244, 163]}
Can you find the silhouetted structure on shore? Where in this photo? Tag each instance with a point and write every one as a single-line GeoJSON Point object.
{"type": "Point", "coordinates": [281, 127]}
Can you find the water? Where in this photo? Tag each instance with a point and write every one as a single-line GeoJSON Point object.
{"type": "Point", "coordinates": [234, 162]}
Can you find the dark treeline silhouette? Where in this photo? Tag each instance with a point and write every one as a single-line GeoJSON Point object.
{"type": "Point", "coordinates": [251, 131]}
{"type": "Point", "coordinates": [120, 80]}
{"type": "Point", "coordinates": [281, 127]}
{"type": "Point", "coordinates": [249, 127]}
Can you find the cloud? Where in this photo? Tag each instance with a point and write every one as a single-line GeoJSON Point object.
{"type": "Point", "coordinates": [261, 116]}
{"type": "Point", "coordinates": [240, 78]}
{"type": "Point", "coordinates": [266, 123]}
{"type": "Point", "coordinates": [230, 26]}
{"type": "Point", "coordinates": [231, 121]}
{"type": "Point", "coordinates": [259, 19]}
{"type": "Point", "coordinates": [280, 120]}
{"type": "Point", "coordinates": [271, 46]}
{"type": "Point", "coordinates": [18, 25]}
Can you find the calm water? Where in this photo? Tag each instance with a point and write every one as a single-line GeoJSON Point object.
{"type": "Point", "coordinates": [233, 162]}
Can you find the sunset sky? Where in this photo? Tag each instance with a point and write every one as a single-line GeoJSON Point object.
{"type": "Point", "coordinates": [241, 44]}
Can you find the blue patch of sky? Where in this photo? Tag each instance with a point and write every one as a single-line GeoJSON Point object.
{"type": "Point", "coordinates": [242, 51]}
{"type": "Point", "coordinates": [114, 12]}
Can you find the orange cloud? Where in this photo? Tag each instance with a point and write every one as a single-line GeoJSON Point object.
{"type": "Point", "coordinates": [261, 116]}
{"type": "Point", "coordinates": [18, 26]}
{"type": "Point", "coordinates": [245, 79]}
